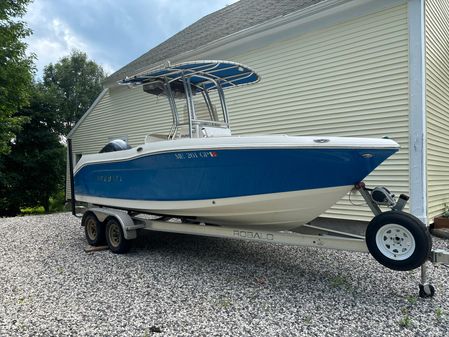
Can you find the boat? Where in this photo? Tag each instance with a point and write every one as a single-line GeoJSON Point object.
{"type": "Point", "coordinates": [199, 171]}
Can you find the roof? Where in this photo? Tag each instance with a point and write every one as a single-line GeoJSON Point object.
{"type": "Point", "coordinates": [226, 21]}
{"type": "Point", "coordinates": [202, 75]}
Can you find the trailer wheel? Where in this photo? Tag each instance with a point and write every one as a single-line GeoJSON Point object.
{"type": "Point", "coordinates": [115, 238]}
{"type": "Point", "coordinates": [93, 229]}
{"type": "Point", "coordinates": [398, 240]}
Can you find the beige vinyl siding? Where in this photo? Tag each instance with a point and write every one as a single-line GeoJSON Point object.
{"type": "Point", "coordinates": [437, 105]}
{"type": "Point", "coordinates": [120, 112]}
{"type": "Point", "coordinates": [350, 79]}
{"type": "Point", "coordinates": [347, 80]}
{"type": "Point", "coordinates": [123, 112]}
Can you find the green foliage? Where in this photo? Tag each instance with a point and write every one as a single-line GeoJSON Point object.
{"type": "Point", "coordinates": [411, 299]}
{"type": "Point", "coordinates": [74, 82]}
{"type": "Point", "coordinates": [225, 303]}
{"type": "Point", "coordinates": [57, 201]}
{"type": "Point", "coordinates": [32, 210]}
{"type": "Point", "coordinates": [35, 167]}
{"type": "Point", "coordinates": [340, 281]}
{"type": "Point", "coordinates": [16, 69]}
{"type": "Point", "coordinates": [35, 117]}
{"type": "Point", "coordinates": [405, 322]}
{"type": "Point", "coordinates": [446, 211]}
{"type": "Point", "coordinates": [33, 173]}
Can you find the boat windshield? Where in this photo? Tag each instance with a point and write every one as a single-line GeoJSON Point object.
{"type": "Point", "coordinates": [195, 94]}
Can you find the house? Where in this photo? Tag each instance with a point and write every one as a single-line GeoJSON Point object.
{"type": "Point", "coordinates": [369, 68]}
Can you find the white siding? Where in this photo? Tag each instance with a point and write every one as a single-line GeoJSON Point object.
{"type": "Point", "coordinates": [437, 105]}
{"type": "Point", "coordinates": [350, 79]}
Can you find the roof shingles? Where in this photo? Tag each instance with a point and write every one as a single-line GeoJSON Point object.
{"type": "Point", "coordinates": [228, 20]}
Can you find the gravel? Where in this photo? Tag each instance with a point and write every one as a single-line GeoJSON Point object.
{"type": "Point", "coordinates": [179, 285]}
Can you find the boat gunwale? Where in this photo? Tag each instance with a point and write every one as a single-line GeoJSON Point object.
{"type": "Point", "coordinates": [146, 150]}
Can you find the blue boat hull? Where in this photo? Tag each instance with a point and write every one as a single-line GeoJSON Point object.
{"type": "Point", "coordinates": [200, 175]}
{"type": "Point", "coordinates": [272, 188]}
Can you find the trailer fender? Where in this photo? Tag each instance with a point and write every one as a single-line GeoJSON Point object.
{"type": "Point", "coordinates": [128, 226]}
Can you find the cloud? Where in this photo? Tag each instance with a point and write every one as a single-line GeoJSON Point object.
{"type": "Point", "coordinates": [52, 37]}
{"type": "Point", "coordinates": [111, 32]}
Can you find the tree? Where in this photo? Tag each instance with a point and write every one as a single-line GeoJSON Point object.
{"type": "Point", "coordinates": [35, 167]}
{"type": "Point", "coordinates": [34, 170]}
{"type": "Point", "coordinates": [75, 82]}
{"type": "Point", "coordinates": [16, 69]}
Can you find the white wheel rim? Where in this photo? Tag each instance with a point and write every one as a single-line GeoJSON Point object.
{"type": "Point", "coordinates": [395, 242]}
{"type": "Point", "coordinates": [91, 229]}
{"type": "Point", "coordinates": [114, 235]}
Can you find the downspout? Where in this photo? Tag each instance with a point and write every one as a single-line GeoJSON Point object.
{"type": "Point", "coordinates": [417, 117]}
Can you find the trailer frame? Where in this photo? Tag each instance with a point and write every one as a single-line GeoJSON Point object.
{"type": "Point", "coordinates": [314, 234]}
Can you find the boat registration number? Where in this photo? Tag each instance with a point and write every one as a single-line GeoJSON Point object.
{"type": "Point", "coordinates": [195, 155]}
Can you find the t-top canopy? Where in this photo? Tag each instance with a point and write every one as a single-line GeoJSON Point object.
{"type": "Point", "coordinates": [203, 75]}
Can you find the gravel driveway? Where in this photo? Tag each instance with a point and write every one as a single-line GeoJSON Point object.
{"type": "Point", "coordinates": [179, 285]}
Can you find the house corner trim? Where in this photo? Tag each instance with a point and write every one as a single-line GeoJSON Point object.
{"type": "Point", "coordinates": [417, 117]}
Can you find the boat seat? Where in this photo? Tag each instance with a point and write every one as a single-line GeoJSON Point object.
{"type": "Point", "coordinates": [155, 137]}
{"type": "Point", "coordinates": [210, 131]}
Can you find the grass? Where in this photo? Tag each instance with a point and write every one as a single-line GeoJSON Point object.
{"type": "Point", "coordinates": [411, 299]}
{"type": "Point", "coordinates": [32, 210]}
{"type": "Point", "coordinates": [405, 322]}
{"type": "Point", "coordinates": [225, 303]}
{"type": "Point", "coordinates": [439, 313]}
{"type": "Point", "coordinates": [339, 281]}
{"type": "Point", "coordinates": [56, 204]}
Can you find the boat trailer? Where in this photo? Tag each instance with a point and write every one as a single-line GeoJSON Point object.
{"type": "Point", "coordinates": [396, 239]}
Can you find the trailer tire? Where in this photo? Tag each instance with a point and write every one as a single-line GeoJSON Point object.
{"type": "Point", "coordinates": [115, 238]}
{"type": "Point", "coordinates": [398, 240]}
{"type": "Point", "coordinates": [93, 229]}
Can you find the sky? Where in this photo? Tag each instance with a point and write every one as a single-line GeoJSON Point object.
{"type": "Point", "coordinates": [111, 32]}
